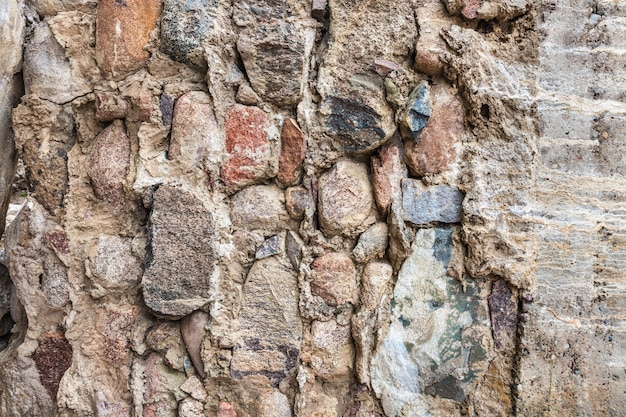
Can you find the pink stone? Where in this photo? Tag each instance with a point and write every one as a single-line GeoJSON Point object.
{"type": "Point", "coordinates": [225, 409]}
{"type": "Point", "coordinates": [108, 164]}
{"type": "Point", "coordinates": [292, 153]}
{"type": "Point", "coordinates": [470, 10]}
{"type": "Point", "coordinates": [387, 173]}
{"type": "Point", "coordinates": [247, 145]}
{"type": "Point", "coordinates": [110, 106]}
{"type": "Point", "coordinates": [384, 67]}
{"type": "Point", "coordinates": [334, 278]}
{"type": "Point", "coordinates": [122, 32]}
{"type": "Point", "coordinates": [436, 148]}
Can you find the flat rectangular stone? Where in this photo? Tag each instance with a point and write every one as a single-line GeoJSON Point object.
{"type": "Point", "coordinates": [424, 205]}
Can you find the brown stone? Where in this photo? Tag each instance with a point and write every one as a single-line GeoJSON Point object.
{"type": "Point", "coordinates": [436, 148]}
{"type": "Point", "coordinates": [110, 106]}
{"type": "Point", "coordinates": [298, 200]}
{"type": "Point", "coordinates": [387, 173]}
{"type": "Point", "coordinates": [427, 61]}
{"type": "Point", "coordinates": [123, 30]}
{"type": "Point", "coordinates": [247, 145]}
{"type": "Point", "coordinates": [345, 199]}
{"type": "Point", "coordinates": [108, 164]}
{"type": "Point", "coordinates": [292, 153]}
{"type": "Point", "coordinates": [334, 278]}
{"type": "Point", "coordinates": [192, 330]}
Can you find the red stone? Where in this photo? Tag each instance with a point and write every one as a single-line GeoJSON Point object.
{"type": "Point", "coordinates": [247, 145]}
{"type": "Point", "coordinates": [334, 278]}
{"type": "Point", "coordinates": [122, 32]}
{"type": "Point", "coordinates": [292, 153]}
{"type": "Point", "coordinates": [52, 358]}
{"type": "Point", "coordinates": [470, 10]}
{"type": "Point", "coordinates": [436, 148]}
{"type": "Point", "coordinates": [387, 174]}
{"type": "Point", "coordinates": [58, 240]}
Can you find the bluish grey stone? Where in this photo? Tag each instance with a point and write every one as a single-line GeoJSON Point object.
{"type": "Point", "coordinates": [417, 111]}
{"type": "Point", "coordinates": [185, 24]}
{"type": "Point", "coordinates": [423, 205]}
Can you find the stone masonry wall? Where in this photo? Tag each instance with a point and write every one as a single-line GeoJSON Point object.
{"type": "Point", "coordinates": [320, 208]}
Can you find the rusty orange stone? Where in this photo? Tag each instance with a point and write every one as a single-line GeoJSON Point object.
{"type": "Point", "coordinates": [292, 153]}
{"type": "Point", "coordinates": [247, 145]}
{"type": "Point", "coordinates": [436, 148]}
{"type": "Point", "coordinates": [122, 32]}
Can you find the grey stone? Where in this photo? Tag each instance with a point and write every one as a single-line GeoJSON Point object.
{"type": "Point", "coordinates": [273, 404]}
{"type": "Point", "coordinates": [185, 24]}
{"type": "Point", "coordinates": [270, 247]}
{"type": "Point", "coordinates": [417, 112]}
{"type": "Point", "coordinates": [437, 342]}
{"type": "Point", "coordinates": [423, 205]}
{"type": "Point", "coordinates": [372, 243]}
{"type": "Point", "coordinates": [270, 325]}
{"type": "Point", "coordinates": [181, 256]}
{"type": "Point", "coordinates": [274, 56]}
{"type": "Point", "coordinates": [111, 264]}
{"type": "Point", "coordinates": [293, 249]}
{"type": "Point", "coordinates": [259, 207]}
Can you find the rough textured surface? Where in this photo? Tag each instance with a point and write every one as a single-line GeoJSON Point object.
{"type": "Point", "coordinates": [282, 208]}
{"type": "Point", "coordinates": [177, 281]}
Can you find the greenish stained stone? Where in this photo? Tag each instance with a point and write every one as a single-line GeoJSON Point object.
{"type": "Point", "coordinates": [437, 334]}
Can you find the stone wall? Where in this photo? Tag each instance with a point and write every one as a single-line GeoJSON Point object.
{"type": "Point", "coordinates": [322, 208]}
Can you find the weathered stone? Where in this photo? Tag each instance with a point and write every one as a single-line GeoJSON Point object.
{"type": "Point", "coordinates": [424, 205]}
{"type": "Point", "coordinates": [166, 105]}
{"type": "Point", "coordinates": [334, 278]}
{"type": "Point", "coordinates": [292, 153]}
{"type": "Point", "coordinates": [274, 56]}
{"type": "Point", "coordinates": [503, 309]}
{"type": "Point", "coordinates": [374, 282]}
{"type": "Point", "coordinates": [345, 199]}
{"type": "Point", "coordinates": [318, 9]}
{"type": "Point", "coordinates": [181, 258]}
{"type": "Point", "coordinates": [192, 330]}
{"type": "Point", "coordinates": [247, 96]}
{"type": "Point", "coordinates": [270, 326]}
{"type": "Point", "coordinates": [52, 358]}
{"type": "Point", "coordinates": [195, 136]}
{"type": "Point", "coordinates": [384, 67]}
{"type": "Point", "coordinates": [185, 25]}
{"type": "Point", "coordinates": [53, 7]}
{"type": "Point", "coordinates": [417, 112]}
{"type": "Point", "coordinates": [437, 145]}
{"type": "Point", "coordinates": [293, 249]}
{"type": "Point", "coordinates": [11, 39]}
{"type": "Point", "coordinates": [372, 243]}
{"type": "Point", "coordinates": [271, 247]}
{"type": "Point", "coordinates": [247, 132]}
{"type": "Point", "coordinates": [259, 207]}
{"type": "Point", "coordinates": [109, 161]}
{"type": "Point", "coordinates": [436, 336]}
{"type": "Point", "coordinates": [387, 174]}
{"type": "Point", "coordinates": [298, 200]}
{"type": "Point", "coordinates": [110, 106]}
{"type": "Point", "coordinates": [193, 386]}
{"type": "Point", "coordinates": [111, 264]}
{"type": "Point", "coordinates": [160, 384]}
{"type": "Point", "coordinates": [47, 72]}
{"type": "Point", "coordinates": [314, 400]}
{"type": "Point", "coordinates": [273, 404]}
{"type": "Point", "coordinates": [123, 30]}
{"type": "Point", "coordinates": [331, 352]}
{"type": "Point", "coordinates": [190, 407]}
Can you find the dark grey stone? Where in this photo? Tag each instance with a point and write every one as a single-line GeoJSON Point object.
{"type": "Point", "coordinates": [271, 247]}
{"type": "Point", "coordinates": [293, 248]}
{"type": "Point", "coordinates": [181, 257]}
{"type": "Point", "coordinates": [185, 24]}
{"type": "Point", "coordinates": [417, 112]}
{"type": "Point", "coordinates": [423, 205]}
{"type": "Point", "coordinates": [355, 127]}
